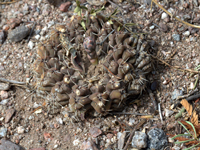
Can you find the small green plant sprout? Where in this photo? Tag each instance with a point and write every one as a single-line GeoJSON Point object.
{"type": "Point", "coordinates": [79, 10]}
{"type": "Point", "coordinates": [188, 139]}
{"type": "Point", "coordinates": [94, 12]}
{"type": "Point", "coordinates": [112, 16]}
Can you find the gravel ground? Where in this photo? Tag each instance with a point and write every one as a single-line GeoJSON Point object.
{"type": "Point", "coordinates": [175, 43]}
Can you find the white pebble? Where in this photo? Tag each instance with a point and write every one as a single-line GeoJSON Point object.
{"type": "Point", "coordinates": [51, 23]}
{"type": "Point", "coordinates": [38, 111]}
{"type": "Point", "coordinates": [35, 105]}
{"type": "Point", "coordinates": [37, 37]}
{"type": "Point", "coordinates": [191, 86]}
{"type": "Point", "coordinates": [45, 28]}
{"type": "Point", "coordinates": [20, 129]}
{"type": "Point", "coordinates": [151, 27]}
{"type": "Point", "coordinates": [114, 139]}
{"type": "Point", "coordinates": [131, 121]}
{"type": "Point", "coordinates": [3, 132]}
{"type": "Point", "coordinates": [60, 121]}
{"type": "Point", "coordinates": [1, 119]}
{"type": "Point", "coordinates": [31, 117]}
{"type": "Point", "coordinates": [76, 142]}
{"type": "Point", "coordinates": [4, 102]}
{"type": "Point", "coordinates": [28, 80]}
{"type": "Point", "coordinates": [164, 15]}
{"type": "Point", "coordinates": [30, 44]}
{"type": "Point", "coordinates": [168, 112]}
{"type": "Point", "coordinates": [186, 33]}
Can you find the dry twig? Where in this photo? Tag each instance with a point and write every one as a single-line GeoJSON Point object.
{"type": "Point", "coordinates": [6, 3]}
{"type": "Point", "coordinates": [191, 98]}
{"type": "Point", "coordinates": [176, 67]}
{"type": "Point", "coordinates": [186, 23]}
{"type": "Point", "coordinates": [133, 131]}
{"type": "Point", "coordinates": [12, 81]}
{"type": "Point", "coordinates": [125, 113]}
{"type": "Point", "coordinates": [160, 113]}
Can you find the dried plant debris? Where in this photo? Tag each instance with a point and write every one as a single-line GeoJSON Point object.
{"type": "Point", "coordinates": [190, 138]}
{"type": "Point", "coordinates": [91, 66]}
{"type": "Point", "coordinates": [191, 112]}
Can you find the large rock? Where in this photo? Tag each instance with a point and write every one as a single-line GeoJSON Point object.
{"type": "Point", "coordinates": [157, 139]}
{"type": "Point", "coordinates": [139, 140]}
{"type": "Point", "coordinates": [18, 34]}
{"type": "Point", "coordinates": [8, 145]}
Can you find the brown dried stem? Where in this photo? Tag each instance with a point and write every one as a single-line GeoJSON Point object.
{"type": "Point", "coordinates": [176, 67]}
{"type": "Point", "coordinates": [186, 23]}
{"type": "Point", "coordinates": [12, 81]}
{"type": "Point", "coordinates": [6, 3]}
{"type": "Point", "coordinates": [132, 133]}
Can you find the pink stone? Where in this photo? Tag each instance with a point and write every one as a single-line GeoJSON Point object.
{"type": "Point", "coordinates": [95, 132]}
{"type": "Point", "coordinates": [4, 94]}
{"type": "Point", "coordinates": [64, 6]}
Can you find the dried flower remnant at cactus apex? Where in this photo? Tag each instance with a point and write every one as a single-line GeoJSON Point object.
{"type": "Point", "coordinates": [80, 74]}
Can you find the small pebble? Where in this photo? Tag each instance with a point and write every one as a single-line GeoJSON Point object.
{"type": "Point", "coordinates": [4, 102]}
{"type": "Point", "coordinates": [37, 37]}
{"type": "Point", "coordinates": [168, 112]}
{"type": "Point", "coordinates": [30, 44]}
{"type": "Point", "coordinates": [50, 24]}
{"type": "Point", "coordinates": [132, 121]}
{"type": "Point", "coordinates": [191, 86]}
{"type": "Point", "coordinates": [9, 114]}
{"type": "Point", "coordinates": [4, 95]}
{"type": "Point", "coordinates": [176, 37]}
{"type": "Point", "coordinates": [164, 15]}
{"type": "Point", "coordinates": [31, 117]}
{"type": "Point", "coordinates": [163, 27]}
{"type": "Point", "coordinates": [20, 130]}
{"type": "Point", "coordinates": [76, 142]}
{"type": "Point", "coordinates": [139, 140]}
{"type": "Point", "coordinates": [64, 6]}
{"type": "Point", "coordinates": [186, 33]}
{"type": "Point", "coordinates": [25, 8]}
{"type": "Point", "coordinates": [176, 93]}
{"type": "Point", "coordinates": [89, 145]}
{"type": "Point", "coordinates": [4, 86]}
{"type": "Point", "coordinates": [47, 136]}
{"type": "Point", "coordinates": [2, 118]}
{"type": "Point", "coordinates": [176, 147]}
{"type": "Point", "coordinates": [3, 132]}
{"type": "Point", "coordinates": [95, 132]}
{"type": "Point", "coordinates": [151, 27]}
{"type": "Point", "coordinates": [38, 111]}
{"type": "Point", "coordinates": [55, 146]}
{"type": "Point", "coordinates": [60, 121]}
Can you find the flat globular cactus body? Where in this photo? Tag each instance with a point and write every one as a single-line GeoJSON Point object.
{"type": "Point", "coordinates": [97, 69]}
